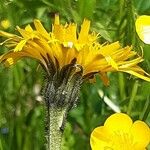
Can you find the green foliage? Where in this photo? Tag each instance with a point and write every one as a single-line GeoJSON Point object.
{"type": "Point", "coordinates": [21, 112]}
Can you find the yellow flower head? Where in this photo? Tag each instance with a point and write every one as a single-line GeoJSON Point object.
{"type": "Point", "coordinates": [5, 23]}
{"type": "Point", "coordinates": [63, 46]}
{"type": "Point", "coordinates": [143, 28]}
{"type": "Point", "coordinates": [120, 133]}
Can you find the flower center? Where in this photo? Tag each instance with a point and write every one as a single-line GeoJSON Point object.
{"type": "Point", "coordinates": [121, 141]}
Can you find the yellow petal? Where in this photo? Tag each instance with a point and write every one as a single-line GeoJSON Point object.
{"type": "Point", "coordinates": [39, 27]}
{"type": "Point", "coordinates": [83, 35]}
{"type": "Point", "coordinates": [111, 62]}
{"type": "Point", "coordinates": [136, 74]}
{"type": "Point", "coordinates": [28, 28]}
{"type": "Point", "coordinates": [118, 122]}
{"type": "Point", "coordinates": [9, 62]}
{"type": "Point", "coordinates": [110, 49]}
{"type": "Point", "coordinates": [130, 63]}
{"type": "Point", "coordinates": [143, 28]}
{"type": "Point", "coordinates": [139, 70]}
{"type": "Point", "coordinates": [141, 134]}
{"type": "Point", "coordinates": [71, 37]}
{"type": "Point", "coordinates": [24, 33]}
{"type": "Point", "coordinates": [8, 42]}
{"type": "Point", "coordinates": [20, 45]}
{"type": "Point", "coordinates": [56, 21]}
{"type": "Point", "coordinates": [5, 34]}
{"type": "Point", "coordinates": [99, 138]}
{"type": "Point", "coordinates": [11, 57]}
{"type": "Point", "coordinates": [58, 32]}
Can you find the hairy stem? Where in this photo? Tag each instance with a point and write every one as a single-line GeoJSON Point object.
{"type": "Point", "coordinates": [56, 117]}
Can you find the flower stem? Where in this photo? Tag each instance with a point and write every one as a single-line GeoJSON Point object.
{"type": "Point", "coordinates": [146, 110]}
{"type": "Point", "coordinates": [122, 87]}
{"type": "Point", "coordinates": [132, 97]}
{"type": "Point", "coordinates": [56, 116]}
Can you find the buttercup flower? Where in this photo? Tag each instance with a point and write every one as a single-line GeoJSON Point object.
{"type": "Point", "coordinates": [120, 133]}
{"type": "Point", "coordinates": [63, 46]}
{"type": "Point", "coordinates": [143, 28]}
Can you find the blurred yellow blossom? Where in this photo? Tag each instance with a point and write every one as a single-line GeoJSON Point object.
{"type": "Point", "coordinates": [120, 133]}
{"type": "Point", "coordinates": [5, 23]}
{"type": "Point", "coordinates": [143, 28]}
{"type": "Point", "coordinates": [63, 44]}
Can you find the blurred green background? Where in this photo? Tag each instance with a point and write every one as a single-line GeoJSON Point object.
{"type": "Point", "coordinates": [22, 110]}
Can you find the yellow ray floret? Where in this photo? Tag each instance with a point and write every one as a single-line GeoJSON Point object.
{"type": "Point", "coordinates": [63, 44]}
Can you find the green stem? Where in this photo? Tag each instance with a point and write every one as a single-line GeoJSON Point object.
{"type": "Point", "coordinates": [132, 97]}
{"type": "Point", "coordinates": [1, 147]}
{"type": "Point", "coordinates": [122, 86]}
{"type": "Point", "coordinates": [146, 110]}
{"type": "Point", "coordinates": [56, 117]}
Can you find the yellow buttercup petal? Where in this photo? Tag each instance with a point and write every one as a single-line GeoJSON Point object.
{"type": "Point", "coordinates": [117, 122]}
{"type": "Point", "coordinates": [141, 133]}
{"type": "Point", "coordinates": [99, 138]}
{"type": "Point", "coordinates": [101, 133]}
{"type": "Point", "coordinates": [143, 28]}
